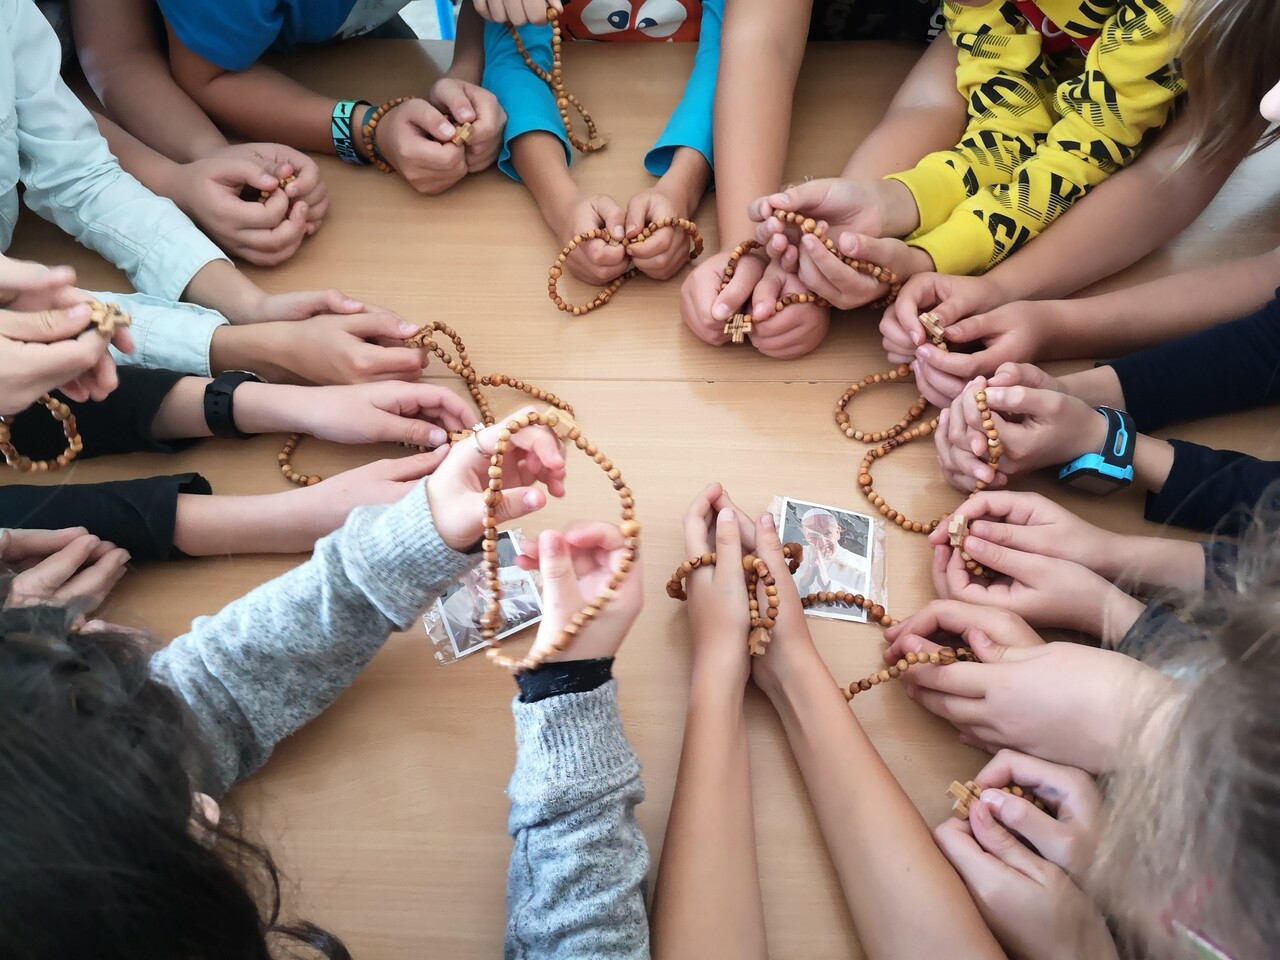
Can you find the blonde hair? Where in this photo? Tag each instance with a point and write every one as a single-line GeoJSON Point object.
{"type": "Point", "coordinates": [1193, 830]}
{"type": "Point", "coordinates": [1230, 58]}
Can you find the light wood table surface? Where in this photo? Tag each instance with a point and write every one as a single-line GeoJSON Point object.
{"type": "Point", "coordinates": [388, 812]}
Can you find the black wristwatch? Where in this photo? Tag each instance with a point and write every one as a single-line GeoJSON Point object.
{"type": "Point", "coordinates": [1112, 466]}
{"type": "Point", "coordinates": [219, 403]}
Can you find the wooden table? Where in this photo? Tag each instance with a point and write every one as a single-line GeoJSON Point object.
{"type": "Point", "coordinates": [388, 812]}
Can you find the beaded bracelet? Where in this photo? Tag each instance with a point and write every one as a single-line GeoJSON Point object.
{"type": "Point", "coordinates": [369, 130]}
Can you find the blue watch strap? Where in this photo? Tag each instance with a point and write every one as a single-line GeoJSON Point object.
{"type": "Point", "coordinates": [341, 130]}
{"type": "Point", "coordinates": [1113, 464]}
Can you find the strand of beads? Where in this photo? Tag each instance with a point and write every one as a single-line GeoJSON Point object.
{"type": "Point", "coordinates": [370, 131]}
{"type": "Point", "coordinates": [106, 318]}
{"type": "Point", "coordinates": [944, 656]}
{"type": "Point", "coordinates": [491, 621]}
{"type": "Point", "coordinates": [599, 233]}
{"type": "Point", "coordinates": [425, 339]}
{"type": "Point", "coordinates": [555, 80]}
{"type": "Point", "coordinates": [265, 195]}
{"type": "Point", "coordinates": [903, 432]}
{"type": "Point", "coordinates": [967, 793]}
{"type": "Point", "coordinates": [739, 326]}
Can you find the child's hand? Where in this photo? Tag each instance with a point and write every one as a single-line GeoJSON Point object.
{"type": "Point", "coordinates": [594, 261]}
{"type": "Point", "coordinates": [704, 307]}
{"type": "Point", "coordinates": [417, 414]}
{"type": "Point", "coordinates": [69, 566]}
{"type": "Point", "coordinates": [29, 286]}
{"type": "Point", "coordinates": [350, 348]}
{"type": "Point", "coordinates": [948, 298]}
{"type": "Point", "coordinates": [1030, 904]}
{"type": "Point", "coordinates": [1066, 836]}
{"type": "Point", "coordinates": [576, 567]}
{"type": "Point", "coordinates": [717, 604]}
{"type": "Point", "coordinates": [1012, 334]}
{"type": "Point", "coordinates": [516, 12]}
{"type": "Point", "coordinates": [1030, 523]}
{"type": "Point", "coordinates": [664, 253]}
{"type": "Point", "coordinates": [281, 162]}
{"type": "Point", "coordinates": [470, 103]}
{"type": "Point", "coordinates": [324, 507]}
{"type": "Point", "coordinates": [55, 349]}
{"type": "Point", "coordinates": [791, 646]}
{"type": "Point", "coordinates": [265, 234]}
{"type": "Point", "coordinates": [456, 492]}
{"type": "Point", "coordinates": [1038, 426]}
{"type": "Point", "coordinates": [1063, 702]}
{"type": "Point", "coordinates": [1044, 591]}
{"type": "Point", "coordinates": [797, 329]}
{"type": "Point", "coordinates": [415, 138]}
{"type": "Point", "coordinates": [847, 205]}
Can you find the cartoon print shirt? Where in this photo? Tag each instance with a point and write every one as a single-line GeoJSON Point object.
{"type": "Point", "coordinates": [531, 107]}
{"type": "Point", "coordinates": [1062, 94]}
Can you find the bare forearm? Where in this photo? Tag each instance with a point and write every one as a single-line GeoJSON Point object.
{"type": "Point", "coordinates": [254, 347]}
{"type": "Point", "coordinates": [762, 47]}
{"type": "Point", "coordinates": [926, 114]}
{"type": "Point", "coordinates": [270, 523]}
{"type": "Point", "coordinates": [1154, 563]}
{"type": "Point", "coordinates": [707, 898]}
{"type": "Point", "coordinates": [259, 408]}
{"type": "Point", "coordinates": [220, 286]}
{"type": "Point", "coordinates": [1118, 223]}
{"type": "Point", "coordinates": [882, 850]}
{"type": "Point", "coordinates": [153, 170]}
{"type": "Point", "coordinates": [468, 48]}
{"type": "Point", "coordinates": [539, 160]}
{"type": "Point", "coordinates": [263, 104]}
{"type": "Point", "coordinates": [686, 179]}
{"type": "Point", "coordinates": [1139, 317]}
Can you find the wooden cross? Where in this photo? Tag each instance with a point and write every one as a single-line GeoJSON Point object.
{"type": "Point", "coordinates": [738, 326]}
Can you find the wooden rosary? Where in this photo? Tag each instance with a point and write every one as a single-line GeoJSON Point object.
{"type": "Point", "coordinates": [757, 573]}
{"type": "Point", "coordinates": [555, 80]}
{"type": "Point", "coordinates": [369, 130]}
{"type": "Point", "coordinates": [967, 793]}
{"type": "Point", "coordinates": [739, 326]}
{"type": "Point", "coordinates": [106, 317]}
{"type": "Point", "coordinates": [599, 233]}
{"type": "Point", "coordinates": [265, 195]}
{"type": "Point", "coordinates": [492, 619]}
{"type": "Point", "coordinates": [425, 338]}
{"type": "Point", "coordinates": [902, 433]}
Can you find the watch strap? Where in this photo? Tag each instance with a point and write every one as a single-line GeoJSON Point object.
{"type": "Point", "coordinates": [1112, 466]}
{"type": "Point", "coordinates": [219, 403]}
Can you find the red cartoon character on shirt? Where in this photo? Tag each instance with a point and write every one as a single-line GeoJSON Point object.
{"type": "Point", "coordinates": [632, 21]}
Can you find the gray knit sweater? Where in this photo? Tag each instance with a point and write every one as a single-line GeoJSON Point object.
{"type": "Point", "coordinates": [274, 659]}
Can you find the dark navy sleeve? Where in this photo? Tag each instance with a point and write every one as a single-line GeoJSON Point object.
{"type": "Point", "coordinates": [1233, 366]}
{"type": "Point", "coordinates": [1211, 490]}
{"type": "Point", "coordinates": [138, 515]}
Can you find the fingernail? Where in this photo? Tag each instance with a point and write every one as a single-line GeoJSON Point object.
{"type": "Point", "coordinates": [725, 516]}
{"type": "Point", "coordinates": [437, 437]}
{"type": "Point", "coordinates": [720, 311]}
{"type": "Point", "coordinates": [924, 351]}
{"type": "Point", "coordinates": [80, 311]}
{"type": "Point", "coordinates": [766, 521]}
{"type": "Point", "coordinates": [994, 798]}
{"type": "Point", "coordinates": [995, 394]}
{"type": "Point", "coordinates": [531, 500]}
{"type": "Point", "coordinates": [778, 198]}
{"type": "Point", "coordinates": [619, 232]}
{"type": "Point", "coordinates": [407, 329]}
{"type": "Point", "coordinates": [447, 132]}
{"type": "Point", "coordinates": [350, 304]}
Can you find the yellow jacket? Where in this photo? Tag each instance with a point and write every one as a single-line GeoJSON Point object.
{"type": "Point", "coordinates": [1054, 110]}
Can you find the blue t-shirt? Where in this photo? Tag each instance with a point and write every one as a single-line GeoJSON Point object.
{"type": "Point", "coordinates": [234, 34]}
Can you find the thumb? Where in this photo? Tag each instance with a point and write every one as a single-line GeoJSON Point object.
{"type": "Point", "coordinates": [881, 252]}
{"type": "Point", "coordinates": [410, 431]}
{"type": "Point", "coordinates": [457, 103]}
{"type": "Point", "coordinates": [800, 198]}
{"type": "Point", "coordinates": [429, 120]}
{"type": "Point", "coordinates": [560, 591]}
{"type": "Point", "coordinates": [612, 216]}
{"type": "Point", "coordinates": [519, 502]}
{"type": "Point", "coordinates": [236, 173]}
{"type": "Point", "coordinates": [990, 650]}
{"type": "Point", "coordinates": [637, 214]}
{"type": "Point", "coordinates": [47, 326]}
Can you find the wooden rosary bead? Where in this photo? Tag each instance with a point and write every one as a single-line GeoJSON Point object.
{"type": "Point", "coordinates": [555, 80]}
{"type": "Point", "coordinates": [967, 793]}
{"type": "Point", "coordinates": [369, 130]}
{"type": "Point", "coordinates": [107, 318]}
{"type": "Point", "coordinates": [265, 195]}
{"type": "Point", "coordinates": [492, 620]}
{"type": "Point", "coordinates": [557, 268]}
{"type": "Point", "coordinates": [739, 326]}
{"type": "Point", "coordinates": [943, 657]}
{"type": "Point", "coordinates": [425, 339]}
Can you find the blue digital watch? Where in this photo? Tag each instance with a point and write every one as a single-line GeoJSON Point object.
{"type": "Point", "coordinates": [1110, 468]}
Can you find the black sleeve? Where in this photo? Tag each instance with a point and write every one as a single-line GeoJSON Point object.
{"type": "Point", "coordinates": [119, 424]}
{"type": "Point", "coordinates": [560, 677]}
{"type": "Point", "coordinates": [138, 515]}
{"type": "Point", "coordinates": [1214, 491]}
{"type": "Point", "coordinates": [1233, 366]}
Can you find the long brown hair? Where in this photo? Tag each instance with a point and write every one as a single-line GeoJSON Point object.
{"type": "Point", "coordinates": [1230, 58]}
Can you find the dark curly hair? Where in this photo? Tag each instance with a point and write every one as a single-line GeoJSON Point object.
{"type": "Point", "coordinates": [102, 852]}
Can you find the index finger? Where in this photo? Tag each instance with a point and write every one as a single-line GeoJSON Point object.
{"type": "Point", "coordinates": [18, 544]}
{"type": "Point", "coordinates": [697, 520]}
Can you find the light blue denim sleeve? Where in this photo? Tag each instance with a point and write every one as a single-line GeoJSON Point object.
{"type": "Point", "coordinates": [73, 180]}
{"type": "Point", "coordinates": [527, 100]}
{"type": "Point", "coordinates": [166, 335]}
{"type": "Point", "coordinates": [690, 125]}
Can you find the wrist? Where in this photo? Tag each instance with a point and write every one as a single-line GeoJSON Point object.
{"type": "Point", "coordinates": [256, 347]}
{"type": "Point", "coordinates": [1087, 434]}
{"type": "Point", "coordinates": [686, 180]}
{"type": "Point", "coordinates": [1116, 616]}
{"type": "Point", "coordinates": [270, 408]}
{"type": "Point", "coordinates": [176, 181]}
{"type": "Point", "coordinates": [715, 686]}
{"type": "Point", "coordinates": [901, 214]}
{"type": "Point", "coordinates": [219, 286]}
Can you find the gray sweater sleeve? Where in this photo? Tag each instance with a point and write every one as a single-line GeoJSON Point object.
{"type": "Point", "coordinates": [274, 659]}
{"type": "Point", "coordinates": [575, 887]}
